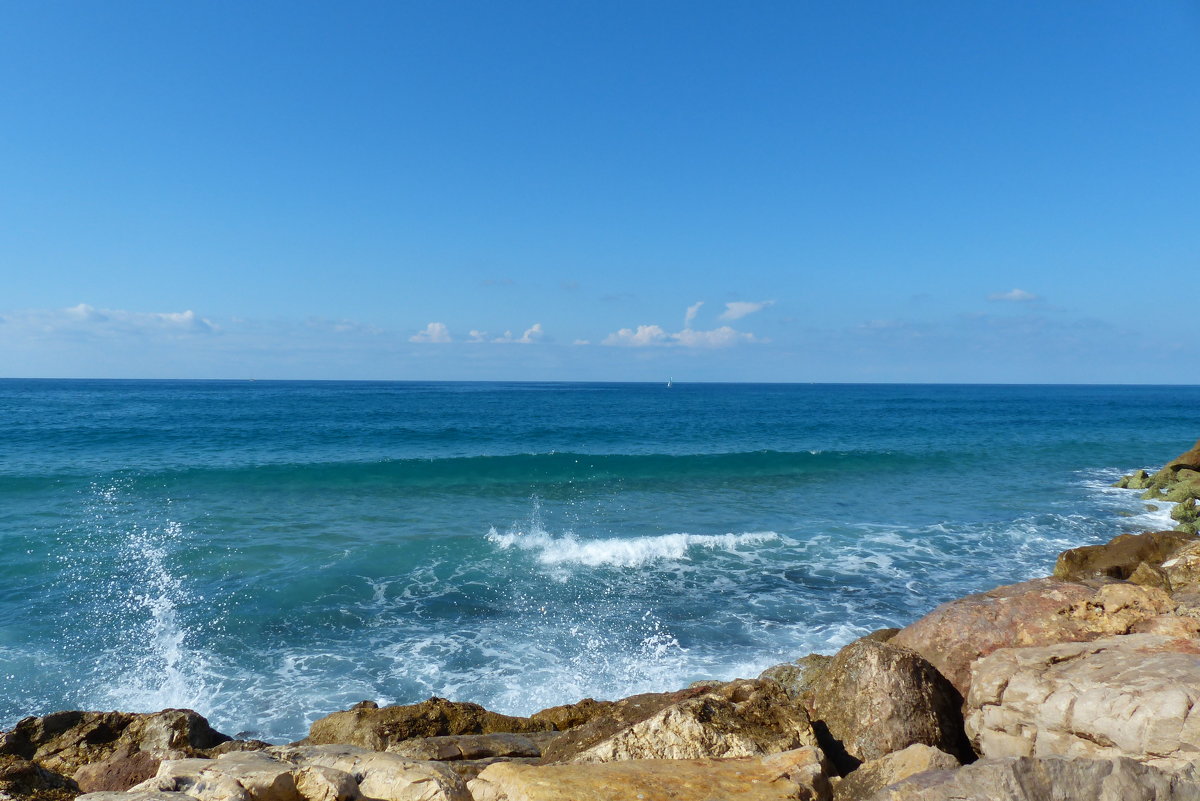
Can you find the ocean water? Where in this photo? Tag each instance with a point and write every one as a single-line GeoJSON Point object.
{"type": "Point", "coordinates": [270, 552]}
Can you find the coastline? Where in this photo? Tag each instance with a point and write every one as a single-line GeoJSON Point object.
{"type": "Point", "coordinates": [941, 685]}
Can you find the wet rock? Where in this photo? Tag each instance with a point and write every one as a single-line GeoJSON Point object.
{"type": "Point", "coordinates": [1036, 779]}
{"type": "Point", "coordinates": [1178, 480]}
{"type": "Point", "coordinates": [1032, 613]}
{"type": "Point", "coordinates": [23, 779]}
{"type": "Point", "coordinates": [1135, 696]}
{"type": "Point", "coordinates": [740, 718]}
{"type": "Point", "coordinates": [568, 716]}
{"type": "Point", "coordinates": [1120, 557]}
{"type": "Point", "coordinates": [875, 698]}
{"type": "Point", "coordinates": [1139, 479]}
{"type": "Point", "coordinates": [798, 775]}
{"type": "Point", "coordinates": [378, 728]}
{"type": "Point", "coordinates": [797, 677]}
{"type": "Point", "coordinates": [873, 776]}
{"type": "Point", "coordinates": [65, 741]}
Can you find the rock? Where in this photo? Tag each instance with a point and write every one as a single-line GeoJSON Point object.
{"type": "Point", "coordinates": [1139, 479]}
{"type": "Point", "coordinates": [381, 775]}
{"type": "Point", "coordinates": [875, 698]}
{"type": "Point", "coordinates": [125, 768]}
{"type": "Point", "coordinates": [229, 746]}
{"type": "Point", "coordinates": [1183, 569]}
{"type": "Point", "coordinates": [1050, 779]}
{"type": "Point", "coordinates": [65, 741]}
{"type": "Point", "coordinates": [1129, 696]}
{"type": "Point", "coordinates": [568, 716]}
{"type": "Point", "coordinates": [797, 677]}
{"type": "Point", "coordinates": [468, 746]}
{"type": "Point", "coordinates": [1147, 575]}
{"type": "Point", "coordinates": [796, 774]}
{"type": "Point", "coordinates": [319, 783]}
{"type": "Point", "coordinates": [740, 718]}
{"type": "Point", "coordinates": [1178, 480]}
{"type": "Point", "coordinates": [141, 795]}
{"type": "Point", "coordinates": [378, 728]}
{"type": "Point", "coordinates": [1120, 557]}
{"type": "Point", "coordinates": [1032, 613]}
{"type": "Point", "coordinates": [21, 778]}
{"type": "Point", "coordinates": [469, 769]}
{"type": "Point", "coordinates": [238, 776]}
{"type": "Point", "coordinates": [879, 773]}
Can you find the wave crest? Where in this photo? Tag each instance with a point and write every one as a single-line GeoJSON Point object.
{"type": "Point", "coordinates": [615, 552]}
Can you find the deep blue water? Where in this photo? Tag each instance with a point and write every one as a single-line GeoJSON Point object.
{"type": "Point", "coordinates": [268, 552]}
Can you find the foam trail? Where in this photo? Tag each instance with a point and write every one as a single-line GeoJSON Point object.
{"type": "Point", "coordinates": [631, 552]}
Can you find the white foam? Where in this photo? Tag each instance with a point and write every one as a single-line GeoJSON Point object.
{"type": "Point", "coordinates": [622, 552]}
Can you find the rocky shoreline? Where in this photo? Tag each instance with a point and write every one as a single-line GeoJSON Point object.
{"type": "Point", "coordinates": [1081, 685]}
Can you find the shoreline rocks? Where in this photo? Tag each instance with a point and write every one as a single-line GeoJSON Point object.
{"type": "Point", "coordinates": [1077, 686]}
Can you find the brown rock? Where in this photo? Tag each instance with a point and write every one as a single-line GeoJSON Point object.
{"type": "Point", "coordinates": [22, 779]}
{"type": "Point", "coordinates": [1033, 779]}
{"type": "Point", "coordinates": [568, 716]}
{"type": "Point", "coordinates": [797, 677]}
{"type": "Point", "coordinates": [740, 718]}
{"type": "Point", "coordinates": [378, 728]}
{"type": "Point", "coordinates": [1135, 696]}
{"type": "Point", "coordinates": [381, 775]}
{"type": "Point", "coordinates": [468, 746]}
{"type": "Point", "coordinates": [1032, 613]}
{"type": "Point", "coordinates": [65, 741]}
{"type": "Point", "coordinates": [870, 777]}
{"type": "Point", "coordinates": [125, 768]}
{"type": "Point", "coordinates": [875, 698]}
{"type": "Point", "coordinates": [796, 775]}
{"type": "Point", "coordinates": [1120, 557]}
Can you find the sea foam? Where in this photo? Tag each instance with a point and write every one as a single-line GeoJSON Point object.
{"type": "Point", "coordinates": [567, 549]}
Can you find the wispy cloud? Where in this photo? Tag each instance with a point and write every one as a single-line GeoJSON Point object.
{"type": "Point", "coordinates": [435, 333]}
{"type": "Point", "coordinates": [691, 313]}
{"type": "Point", "coordinates": [738, 309]}
{"type": "Point", "coordinates": [86, 320]}
{"type": "Point", "coordinates": [1013, 296]}
{"type": "Point", "coordinates": [532, 334]}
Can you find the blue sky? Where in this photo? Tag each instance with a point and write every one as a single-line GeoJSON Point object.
{"type": "Point", "coordinates": [934, 191]}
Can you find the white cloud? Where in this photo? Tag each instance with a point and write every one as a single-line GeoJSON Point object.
{"type": "Point", "coordinates": [653, 335]}
{"type": "Point", "coordinates": [691, 313]}
{"type": "Point", "coordinates": [576, 342]}
{"type": "Point", "coordinates": [84, 319]}
{"type": "Point", "coordinates": [1014, 296]}
{"type": "Point", "coordinates": [434, 332]}
{"type": "Point", "coordinates": [740, 308]}
{"type": "Point", "coordinates": [478, 336]}
{"type": "Point", "coordinates": [532, 334]}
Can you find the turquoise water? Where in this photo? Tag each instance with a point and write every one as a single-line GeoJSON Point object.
{"type": "Point", "coordinates": [268, 552]}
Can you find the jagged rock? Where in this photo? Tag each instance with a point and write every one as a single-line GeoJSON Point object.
{"type": "Point", "coordinates": [875, 698]}
{"type": "Point", "coordinates": [568, 716]}
{"type": "Point", "coordinates": [239, 776]}
{"type": "Point", "coordinates": [873, 776]}
{"type": "Point", "coordinates": [378, 728]}
{"type": "Point", "coordinates": [319, 783]}
{"type": "Point", "coordinates": [797, 677]}
{"type": "Point", "coordinates": [740, 718]}
{"type": "Point", "coordinates": [65, 741]}
{"type": "Point", "coordinates": [229, 746]}
{"type": "Point", "coordinates": [1178, 480]}
{"type": "Point", "coordinates": [1032, 613]}
{"type": "Point", "coordinates": [23, 779]}
{"type": "Point", "coordinates": [1129, 696]}
{"type": "Point", "coordinates": [1120, 557]}
{"type": "Point", "coordinates": [381, 775]}
{"type": "Point", "coordinates": [1050, 779]}
{"type": "Point", "coordinates": [797, 775]}
{"type": "Point", "coordinates": [1139, 479]}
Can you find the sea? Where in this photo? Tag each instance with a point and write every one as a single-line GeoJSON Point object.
{"type": "Point", "coordinates": [268, 552]}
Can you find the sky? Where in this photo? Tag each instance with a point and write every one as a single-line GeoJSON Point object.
{"type": "Point", "coordinates": [613, 191]}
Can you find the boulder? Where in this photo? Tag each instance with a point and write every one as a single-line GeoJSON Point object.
{"type": "Point", "coordinates": [568, 716]}
{"type": "Point", "coordinates": [875, 698]}
{"type": "Point", "coordinates": [1187, 513]}
{"type": "Point", "coordinates": [319, 783]}
{"type": "Point", "coordinates": [798, 775]}
{"type": "Point", "coordinates": [1032, 613]}
{"type": "Point", "coordinates": [120, 771]}
{"type": "Point", "coordinates": [1183, 569]}
{"type": "Point", "coordinates": [65, 741]}
{"type": "Point", "coordinates": [1178, 479]}
{"type": "Point", "coordinates": [470, 746]}
{"type": "Point", "coordinates": [797, 677]}
{"type": "Point", "coordinates": [240, 776]}
{"type": "Point", "coordinates": [873, 776]}
{"type": "Point", "coordinates": [375, 728]}
{"type": "Point", "coordinates": [1120, 557]}
{"type": "Point", "coordinates": [1135, 696]}
{"type": "Point", "coordinates": [141, 795]}
{"type": "Point", "coordinates": [1139, 479]}
{"type": "Point", "coordinates": [381, 775]}
{"type": "Point", "coordinates": [737, 719]}
{"type": "Point", "coordinates": [21, 779]}
{"type": "Point", "coordinates": [1049, 779]}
